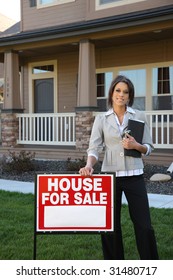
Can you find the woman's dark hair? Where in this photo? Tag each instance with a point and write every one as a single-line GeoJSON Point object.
{"type": "Point", "coordinates": [121, 79]}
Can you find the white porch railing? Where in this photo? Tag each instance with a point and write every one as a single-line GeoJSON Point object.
{"type": "Point", "coordinates": [47, 129]}
{"type": "Point", "coordinates": [59, 129]}
{"type": "Point", "coordinates": [161, 127]}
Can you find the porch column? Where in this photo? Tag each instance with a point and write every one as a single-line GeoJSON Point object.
{"type": "Point", "coordinates": [12, 104]}
{"type": "Point", "coordinates": [87, 95]}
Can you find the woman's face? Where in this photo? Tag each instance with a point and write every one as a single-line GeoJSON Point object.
{"type": "Point", "coordinates": [120, 96]}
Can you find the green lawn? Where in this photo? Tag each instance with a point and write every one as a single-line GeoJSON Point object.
{"type": "Point", "coordinates": [17, 234]}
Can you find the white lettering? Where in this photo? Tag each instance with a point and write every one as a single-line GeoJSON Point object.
{"type": "Point", "coordinates": [77, 198]}
{"type": "Point", "coordinates": [78, 186]}
{"type": "Point", "coordinates": [87, 184]}
{"type": "Point", "coordinates": [55, 198]}
{"type": "Point", "coordinates": [90, 198]}
{"type": "Point", "coordinates": [97, 184]}
{"type": "Point", "coordinates": [52, 184]}
{"type": "Point", "coordinates": [64, 184]}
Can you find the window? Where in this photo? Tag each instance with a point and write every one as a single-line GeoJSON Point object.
{"type": "Point", "coordinates": [104, 4]}
{"type": "Point", "coordinates": [45, 3]}
{"type": "Point", "coordinates": [138, 78]}
{"type": "Point", "coordinates": [42, 69]}
{"type": "Point", "coordinates": [42, 75]}
{"type": "Point", "coordinates": [162, 89]}
{"type": "Point", "coordinates": [103, 83]}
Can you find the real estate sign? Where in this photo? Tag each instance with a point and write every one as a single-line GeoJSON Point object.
{"type": "Point", "coordinates": [71, 202]}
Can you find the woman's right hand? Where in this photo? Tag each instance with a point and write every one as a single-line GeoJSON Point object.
{"type": "Point", "coordinates": [86, 171]}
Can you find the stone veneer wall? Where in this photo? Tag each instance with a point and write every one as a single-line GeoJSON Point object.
{"type": "Point", "coordinates": [84, 122]}
{"type": "Point", "coordinates": [9, 129]}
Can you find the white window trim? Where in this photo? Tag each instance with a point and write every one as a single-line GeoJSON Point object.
{"type": "Point", "coordinates": [115, 4]}
{"type": "Point", "coordinates": [33, 77]}
{"type": "Point", "coordinates": [148, 67]}
{"type": "Point", "coordinates": [55, 2]}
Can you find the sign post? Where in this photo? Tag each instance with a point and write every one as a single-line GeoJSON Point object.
{"type": "Point", "coordinates": [73, 203]}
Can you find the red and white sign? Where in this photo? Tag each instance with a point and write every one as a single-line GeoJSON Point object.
{"type": "Point", "coordinates": [74, 202]}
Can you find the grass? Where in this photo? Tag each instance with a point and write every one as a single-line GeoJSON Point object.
{"type": "Point", "coordinates": [17, 234]}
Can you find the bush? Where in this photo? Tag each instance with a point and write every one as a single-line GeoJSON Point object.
{"type": "Point", "coordinates": [20, 162]}
{"type": "Point", "coordinates": [76, 164]}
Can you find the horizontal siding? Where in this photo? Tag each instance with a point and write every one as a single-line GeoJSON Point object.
{"type": "Point", "coordinates": [67, 69]}
{"type": "Point", "coordinates": [126, 55]}
{"type": "Point", "coordinates": [133, 54]}
{"type": "Point", "coordinates": [80, 10]}
{"type": "Point", "coordinates": [124, 9]}
{"type": "Point", "coordinates": [34, 18]}
{"type": "Point", "coordinates": [1, 70]}
{"type": "Point", "coordinates": [67, 82]}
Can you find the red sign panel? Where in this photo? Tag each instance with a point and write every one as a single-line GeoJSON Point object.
{"type": "Point", "coordinates": [74, 202]}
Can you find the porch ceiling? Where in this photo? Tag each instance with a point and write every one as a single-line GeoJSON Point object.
{"type": "Point", "coordinates": [112, 41]}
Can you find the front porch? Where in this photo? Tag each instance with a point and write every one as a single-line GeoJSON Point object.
{"type": "Point", "coordinates": [66, 135]}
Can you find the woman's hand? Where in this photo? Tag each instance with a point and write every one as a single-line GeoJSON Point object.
{"type": "Point", "coordinates": [86, 171]}
{"type": "Point", "coordinates": [129, 142]}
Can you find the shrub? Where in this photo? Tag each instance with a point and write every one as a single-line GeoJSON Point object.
{"type": "Point", "coordinates": [20, 162]}
{"type": "Point", "coordinates": [76, 164]}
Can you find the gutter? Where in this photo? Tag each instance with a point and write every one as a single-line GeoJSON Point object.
{"type": "Point", "coordinates": [91, 26]}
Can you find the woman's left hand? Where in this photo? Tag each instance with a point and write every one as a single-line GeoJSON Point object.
{"type": "Point", "coordinates": [129, 142]}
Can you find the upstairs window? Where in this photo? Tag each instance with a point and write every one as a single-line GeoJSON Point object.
{"type": "Point", "coordinates": [105, 4]}
{"type": "Point", "coordinates": [45, 3]}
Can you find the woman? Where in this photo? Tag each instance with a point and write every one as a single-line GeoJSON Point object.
{"type": "Point", "coordinates": [107, 132]}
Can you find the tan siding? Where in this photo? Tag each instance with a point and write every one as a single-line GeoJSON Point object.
{"type": "Point", "coordinates": [80, 10]}
{"type": "Point", "coordinates": [67, 80]}
{"type": "Point", "coordinates": [34, 18]}
{"type": "Point", "coordinates": [148, 4]}
{"type": "Point", "coordinates": [66, 85]}
{"type": "Point", "coordinates": [24, 89]}
{"type": "Point", "coordinates": [132, 54]}
{"type": "Point", "coordinates": [1, 70]}
{"type": "Point", "coordinates": [135, 54]}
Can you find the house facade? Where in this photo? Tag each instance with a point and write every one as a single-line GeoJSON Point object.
{"type": "Point", "coordinates": [58, 68]}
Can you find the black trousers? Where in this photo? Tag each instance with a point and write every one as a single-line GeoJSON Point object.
{"type": "Point", "coordinates": [136, 195]}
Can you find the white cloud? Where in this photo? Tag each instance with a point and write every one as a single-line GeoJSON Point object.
{"type": "Point", "coordinates": [10, 8]}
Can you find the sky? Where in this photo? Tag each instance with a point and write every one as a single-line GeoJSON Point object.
{"type": "Point", "coordinates": [11, 9]}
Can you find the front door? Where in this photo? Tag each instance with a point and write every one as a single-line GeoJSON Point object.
{"type": "Point", "coordinates": [43, 103]}
{"type": "Point", "coordinates": [43, 96]}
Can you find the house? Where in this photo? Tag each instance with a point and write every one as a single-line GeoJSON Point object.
{"type": "Point", "coordinates": [58, 67]}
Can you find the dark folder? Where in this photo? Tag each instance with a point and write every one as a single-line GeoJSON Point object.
{"type": "Point", "coordinates": [137, 129]}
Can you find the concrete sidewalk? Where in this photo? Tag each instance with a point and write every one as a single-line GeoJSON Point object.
{"type": "Point", "coordinates": [155, 200]}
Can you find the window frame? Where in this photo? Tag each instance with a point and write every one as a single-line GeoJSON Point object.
{"type": "Point", "coordinates": [55, 2]}
{"type": "Point", "coordinates": [45, 75]}
{"type": "Point", "coordinates": [99, 6]}
{"type": "Point", "coordinates": [149, 79]}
